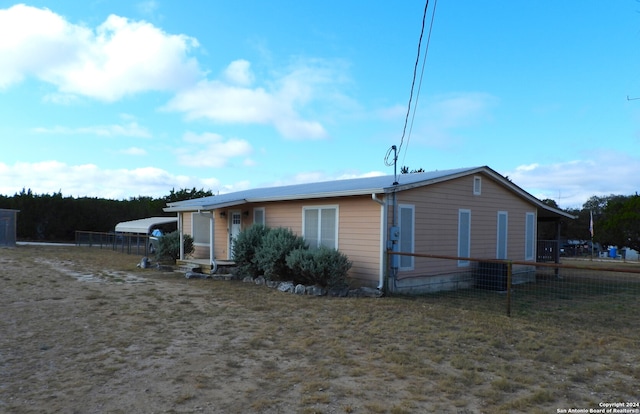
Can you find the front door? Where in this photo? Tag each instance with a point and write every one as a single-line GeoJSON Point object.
{"type": "Point", "coordinates": [235, 221]}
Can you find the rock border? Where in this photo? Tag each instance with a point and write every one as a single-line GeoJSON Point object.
{"type": "Point", "coordinates": [289, 286]}
{"type": "Point", "coordinates": [313, 290]}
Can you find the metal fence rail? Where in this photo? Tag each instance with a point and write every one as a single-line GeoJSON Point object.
{"type": "Point", "coordinates": [608, 287]}
{"type": "Point", "coordinates": [130, 243]}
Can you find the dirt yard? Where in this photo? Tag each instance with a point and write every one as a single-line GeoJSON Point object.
{"type": "Point", "coordinates": [84, 330]}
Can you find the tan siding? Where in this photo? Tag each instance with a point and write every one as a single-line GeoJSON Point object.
{"type": "Point", "coordinates": [436, 210]}
{"type": "Point", "coordinates": [358, 232]}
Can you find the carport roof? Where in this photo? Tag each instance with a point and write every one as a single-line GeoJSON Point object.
{"type": "Point", "coordinates": [143, 225]}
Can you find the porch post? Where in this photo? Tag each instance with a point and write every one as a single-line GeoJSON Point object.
{"type": "Point", "coordinates": [181, 235]}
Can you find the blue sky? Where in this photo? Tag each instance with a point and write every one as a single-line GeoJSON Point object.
{"type": "Point", "coordinates": [120, 99]}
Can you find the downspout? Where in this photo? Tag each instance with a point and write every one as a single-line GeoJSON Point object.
{"type": "Point", "coordinates": [383, 239]}
{"type": "Point", "coordinates": [212, 232]}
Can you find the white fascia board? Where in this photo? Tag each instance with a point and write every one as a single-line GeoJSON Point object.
{"type": "Point", "coordinates": [207, 207]}
{"type": "Point", "coordinates": [332, 194]}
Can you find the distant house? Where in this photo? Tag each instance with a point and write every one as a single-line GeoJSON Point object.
{"type": "Point", "coordinates": [468, 212]}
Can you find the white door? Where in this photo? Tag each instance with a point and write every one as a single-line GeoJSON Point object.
{"type": "Point", "coordinates": [235, 221]}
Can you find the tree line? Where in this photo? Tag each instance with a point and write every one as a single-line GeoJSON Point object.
{"type": "Point", "coordinates": [54, 217]}
{"type": "Point", "coordinates": [612, 220]}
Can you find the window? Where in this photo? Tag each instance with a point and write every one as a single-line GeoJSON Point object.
{"type": "Point", "coordinates": [259, 216]}
{"type": "Point", "coordinates": [407, 232]}
{"type": "Point", "coordinates": [320, 226]}
{"type": "Point", "coordinates": [503, 224]}
{"type": "Point", "coordinates": [464, 236]}
{"type": "Point", "coordinates": [201, 228]}
{"type": "Point", "coordinates": [530, 236]}
{"type": "Point", "coordinates": [477, 185]}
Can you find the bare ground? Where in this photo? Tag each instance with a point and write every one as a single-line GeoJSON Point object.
{"type": "Point", "coordinates": [84, 331]}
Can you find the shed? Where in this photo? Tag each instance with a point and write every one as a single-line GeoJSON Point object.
{"type": "Point", "coordinates": [145, 225]}
{"type": "Point", "coordinates": [8, 225]}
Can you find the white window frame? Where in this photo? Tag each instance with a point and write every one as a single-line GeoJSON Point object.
{"type": "Point", "coordinates": [407, 262]}
{"type": "Point", "coordinates": [264, 215]}
{"type": "Point", "coordinates": [530, 236]}
{"type": "Point", "coordinates": [464, 240]}
{"type": "Point", "coordinates": [502, 235]}
{"type": "Point", "coordinates": [477, 185]}
{"type": "Point", "coordinates": [336, 209]}
{"type": "Point", "coordinates": [198, 227]}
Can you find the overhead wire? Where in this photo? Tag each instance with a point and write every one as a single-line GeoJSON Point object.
{"type": "Point", "coordinates": [424, 64]}
{"type": "Point", "coordinates": [413, 82]}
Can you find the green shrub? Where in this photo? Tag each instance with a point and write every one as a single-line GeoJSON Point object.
{"type": "Point", "coordinates": [324, 267]}
{"type": "Point", "coordinates": [169, 246]}
{"type": "Point", "coordinates": [247, 243]}
{"type": "Point", "coordinates": [272, 255]}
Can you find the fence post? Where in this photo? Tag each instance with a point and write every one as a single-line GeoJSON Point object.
{"type": "Point", "coordinates": [509, 274]}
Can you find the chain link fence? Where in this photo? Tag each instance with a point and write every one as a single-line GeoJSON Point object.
{"type": "Point", "coordinates": [130, 243]}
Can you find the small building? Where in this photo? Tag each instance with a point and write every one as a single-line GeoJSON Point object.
{"type": "Point", "coordinates": [8, 227]}
{"type": "Point", "coordinates": [468, 212]}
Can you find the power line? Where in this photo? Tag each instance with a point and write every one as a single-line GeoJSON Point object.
{"type": "Point", "coordinates": [424, 64]}
{"type": "Point", "coordinates": [413, 82]}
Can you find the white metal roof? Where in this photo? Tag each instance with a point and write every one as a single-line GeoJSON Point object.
{"type": "Point", "coordinates": [336, 188]}
{"type": "Point", "coordinates": [350, 187]}
{"type": "Point", "coordinates": [143, 225]}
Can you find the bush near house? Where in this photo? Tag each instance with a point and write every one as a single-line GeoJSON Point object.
{"type": "Point", "coordinates": [279, 254]}
{"type": "Point", "coordinates": [169, 246]}
{"type": "Point", "coordinates": [272, 255]}
{"type": "Point", "coordinates": [247, 243]}
{"type": "Point", "coordinates": [324, 267]}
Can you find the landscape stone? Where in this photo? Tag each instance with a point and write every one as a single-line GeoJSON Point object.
{"type": "Point", "coordinates": [316, 290]}
{"type": "Point", "coordinates": [286, 287]}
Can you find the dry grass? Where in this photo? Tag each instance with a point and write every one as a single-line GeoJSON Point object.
{"type": "Point", "coordinates": [84, 330]}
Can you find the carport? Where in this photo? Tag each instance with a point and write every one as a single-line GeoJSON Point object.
{"type": "Point", "coordinates": [144, 226]}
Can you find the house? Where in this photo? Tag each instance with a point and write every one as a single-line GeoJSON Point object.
{"type": "Point", "coordinates": [463, 213]}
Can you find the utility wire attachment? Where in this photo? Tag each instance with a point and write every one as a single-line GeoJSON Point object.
{"type": "Point", "coordinates": [632, 99]}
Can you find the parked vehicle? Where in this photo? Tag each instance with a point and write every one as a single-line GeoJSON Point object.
{"type": "Point", "coordinates": [154, 240]}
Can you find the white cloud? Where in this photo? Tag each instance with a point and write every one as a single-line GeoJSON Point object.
{"type": "Point", "coordinates": [279, 103]}
{"type": "Point", "coordinates": [319, 176]}
{"type": "Point", "coordinates": [118, 58]}
{"type": "Point", "coordinates": [239, 73]}
{"type": "Point", "coordinates": [438, 119]}
{"type": "Point", "coordinates": [572, 183]}
{"type": "Point", "coordinates": [49, 177]}
{"type": "Point", "coordinates": [132, 129]}
{"type": "Point", "coordinates": [211, 150]}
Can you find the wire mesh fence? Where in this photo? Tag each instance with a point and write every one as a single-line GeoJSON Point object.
{"type": "Point", "coordinates": [604, 289]}
{"type": "Point", "coordinates": [130, 243]}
